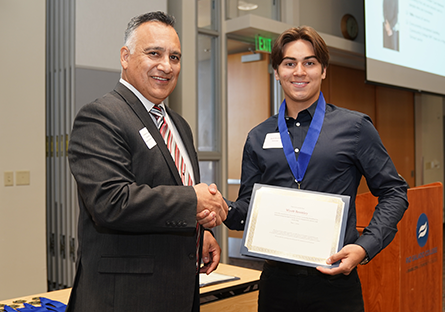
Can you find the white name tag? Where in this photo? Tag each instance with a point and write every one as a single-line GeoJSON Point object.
{"type": "Point", "coordinates": [148, 139]}
{"type": "Point", "coordinates": [272, 140]}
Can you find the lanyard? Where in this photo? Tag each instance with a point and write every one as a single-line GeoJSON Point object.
{"type": "Point", "coordinates": [298, 167]}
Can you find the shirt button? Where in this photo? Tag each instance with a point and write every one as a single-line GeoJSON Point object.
{"type": "Point", "coordinates": [242, 221]}
{"type": "Point", "coordinates": [191, 256]}
{"type": "Point", "coordinates": [297, 150]}
{"type": "Point", "coordinates": [297, 124]}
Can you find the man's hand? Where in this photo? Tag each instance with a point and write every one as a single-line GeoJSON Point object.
{"type": "Point", "coordinates": [350, 256]}
{"type": "Point", "coordinates": [207, 219]}
{"type": "Point", "coordinates": [211, 253]}
{"type": "Point", "coordinates": [388, 28]}
{"type": "Point", "coordinates": [211, 209]}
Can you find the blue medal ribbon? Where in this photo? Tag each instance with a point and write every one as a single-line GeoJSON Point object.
{"type": "Point", "coordinates": [298, 167]}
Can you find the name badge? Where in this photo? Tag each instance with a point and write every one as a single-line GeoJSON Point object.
{"type": "Point", "coordinates": [148, 139]}
{"type": "Point", "coordinates": [272, 140]}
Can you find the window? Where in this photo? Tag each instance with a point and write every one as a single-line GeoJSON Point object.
{"type": "Point", "coordinates": [208, 123]}
{"type": "Point", "coordinates": [206, 14]}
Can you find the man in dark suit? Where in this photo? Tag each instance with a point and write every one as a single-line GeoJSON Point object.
{"type": "Point", "coordinates": [390, 24]}
{"type": "Point", "coordinates": [138, 232]}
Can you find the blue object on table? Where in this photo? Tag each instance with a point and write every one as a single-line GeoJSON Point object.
{"type": "Point", "coordinates": [47, 305]}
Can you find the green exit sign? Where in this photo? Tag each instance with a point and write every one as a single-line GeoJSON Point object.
{"type": "Point", "coordinates": [263, 44]}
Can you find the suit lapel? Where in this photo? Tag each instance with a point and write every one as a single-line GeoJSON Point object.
{"type": "Point", "coordinates": [139, 109]}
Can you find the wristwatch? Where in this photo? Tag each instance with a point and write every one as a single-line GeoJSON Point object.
{"type": "Point", "coordinates": [365, 260]}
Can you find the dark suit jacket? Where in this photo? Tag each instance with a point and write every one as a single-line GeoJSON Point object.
{"type": "Point", "coordinates": [391, 11]}
{"type": "Point", "coordinates": [137, 222]}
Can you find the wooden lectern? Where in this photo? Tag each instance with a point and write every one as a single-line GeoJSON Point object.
{"type": "Point", "coordinates": [407, 274]}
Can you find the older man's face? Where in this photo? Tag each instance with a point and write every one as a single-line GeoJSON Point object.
{"type": "Point", "coordinates": [153, 65]}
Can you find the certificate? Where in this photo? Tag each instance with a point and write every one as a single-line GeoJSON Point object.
{"type": "Point", "coordinates": [294, 226]}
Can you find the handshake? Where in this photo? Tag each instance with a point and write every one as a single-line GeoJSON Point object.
{"type": "Point", "coordinates": [211, 209]}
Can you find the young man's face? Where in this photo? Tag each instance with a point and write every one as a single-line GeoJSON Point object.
{"type": "Point", "coordinates": [300, 74]}
{"type": "Point", "coordinates": [153, 64]}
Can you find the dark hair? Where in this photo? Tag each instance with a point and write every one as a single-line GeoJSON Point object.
{"type": "Point", "coordinates": [136, 21]}
{"type": "Point", "coordinates": [304, 33]}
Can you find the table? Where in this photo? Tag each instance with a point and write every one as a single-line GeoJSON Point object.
{"type": "Point", "coordinates": [58, 295]}
{"type": "Point", "coordinates": [238, 295]}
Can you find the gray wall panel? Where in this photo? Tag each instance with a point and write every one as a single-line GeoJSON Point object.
{"type": "Point", "coordinates": [92, 84]}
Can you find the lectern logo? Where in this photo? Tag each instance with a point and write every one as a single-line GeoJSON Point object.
{"type": "Point", "coordinates": [422, 230]}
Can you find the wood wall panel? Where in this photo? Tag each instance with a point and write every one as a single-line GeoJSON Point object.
{"type": "Point", "coordinates": [391, 110]}
{"type": "Point", "coordinates": [347, 89]}
{"type": "Point", "coordinates": [395, 123]}
{"type": "Point", "coordinates": [248, 105]}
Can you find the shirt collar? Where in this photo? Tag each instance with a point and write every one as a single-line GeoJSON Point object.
{"type": "Point", "coordinates": [310, 110]}
{"type": "Point", "coordinates": [147, 104]}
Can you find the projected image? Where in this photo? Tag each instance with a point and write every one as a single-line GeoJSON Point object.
{"type": "Point", "coordinates": [405, 44]}
{"type": "Point", "coordinates": [390, 24]}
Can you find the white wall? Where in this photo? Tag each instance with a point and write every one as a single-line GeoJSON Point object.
{"type": "Point", "coordinates": [325, 15]}
{"type": "Point", "coordinates": [429, 136]}
{"type": "Point", "coordinates": [429, 139]}
{"type": "Point", "coordinates": [22, 146]}
{"type": "Point", "coordinates": [100, 27]}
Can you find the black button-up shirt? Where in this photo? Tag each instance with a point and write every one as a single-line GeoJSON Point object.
{"type": "Point", "coordinates": [348, 148]}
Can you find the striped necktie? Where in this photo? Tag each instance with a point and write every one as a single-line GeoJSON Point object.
{"type": "Point", "coordinates": [158, 114]}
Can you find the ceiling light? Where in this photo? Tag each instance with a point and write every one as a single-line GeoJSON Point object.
{"type": "Point", "coordinates": [246, 6]}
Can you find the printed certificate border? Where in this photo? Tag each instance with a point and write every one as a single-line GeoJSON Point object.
{"type": "Point", "coordinates": [341, 216]}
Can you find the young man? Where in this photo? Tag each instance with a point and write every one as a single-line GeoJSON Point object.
{"type": "Point", "coordinates": [139, 196]}
{"type": "Point", "coordinates": [346, 147]}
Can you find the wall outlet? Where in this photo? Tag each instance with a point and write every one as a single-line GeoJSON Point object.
{"type": "Point", "coordinates": [9, 178]}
